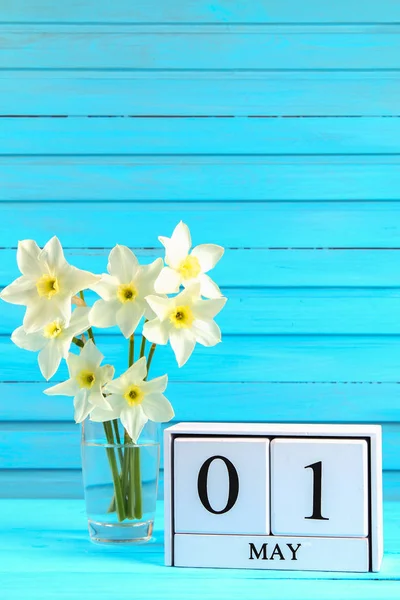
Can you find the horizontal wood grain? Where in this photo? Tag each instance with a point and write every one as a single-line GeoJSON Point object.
{"type": "Point", "coordinates": [163, 135]}
{"type": "Point", "coordinates": [200, 47]}
{"type": "Point", "coordinates": [391, 489]}
{"type": "Point", "coordinates": [224, 401]}
{"type": "Point", "coordinates": [301, 358]}
{"type": "Point", "coordinates": [177, 93]}
{"type": "Point", "coordinates": [258, 311]}
{"type": "Point", "coordinates": [201, 11]}
{"type": "Point", "coordinates": [230, 224]}
{"type": "Point", "coordinates": [308, 209]}
{"type": "Point", "coordinates": [47, 483]}
{"type": "Point", "coordinates": [260, 267]}
{"type": "Point", "coordinates": [58, 447]}
{"type": "Point", "coordinates": [212, 178]}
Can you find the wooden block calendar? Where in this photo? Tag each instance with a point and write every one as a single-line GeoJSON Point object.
{"type": "Point", "coordinates": [273, 496]}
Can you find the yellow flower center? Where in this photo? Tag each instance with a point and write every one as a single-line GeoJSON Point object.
{"type": "Point", "coordinates": [126, 292]}
{"type": "Point", "coordinates": [181, 317]}
{"type": "Point", "coordinates": [47, 286]}
{"type": "Point", "coordinates": [86, 379]}
{"type": "Point", "coordinates": [134, 395]}
{"type": "Point", "coordinates": [189, 268]}
{"type": "Point", "coordinates": [52, 330]}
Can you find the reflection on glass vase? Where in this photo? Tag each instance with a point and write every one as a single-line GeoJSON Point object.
{"type": "Point", "coordinates": [120, 480]}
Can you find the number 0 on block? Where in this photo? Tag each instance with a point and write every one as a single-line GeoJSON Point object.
{"type": "Point", "coordinates": [294, 497]}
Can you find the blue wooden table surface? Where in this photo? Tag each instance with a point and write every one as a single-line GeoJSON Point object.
{"type": "Point", "coordinates": [45, 553]}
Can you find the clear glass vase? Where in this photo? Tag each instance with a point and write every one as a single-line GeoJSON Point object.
{"type": "Point", "coordinates": [120, 481]}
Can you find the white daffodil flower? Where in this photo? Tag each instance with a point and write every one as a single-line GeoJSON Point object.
{"type": "Point", "coordinates": [135, 401]}
{"type": "Point", "coordinates": [184, 320]}
{"type": "Point", "coordinates": [86, 381]}
{"type": "Point", "coordinates": [185, 267]}
{"type": "Point", "coordinates": [53, 341]}
{"type": "Point", "coordinates": [123, 291]}
{"type": "Point", "coordinates": [47, 284]}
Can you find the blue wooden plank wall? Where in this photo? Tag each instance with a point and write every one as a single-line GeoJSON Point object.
{"type": "Point", "coordinates": [271, 128]}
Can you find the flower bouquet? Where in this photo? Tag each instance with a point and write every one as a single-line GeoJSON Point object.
{"type": "Point", "coordinates": [120, 449]}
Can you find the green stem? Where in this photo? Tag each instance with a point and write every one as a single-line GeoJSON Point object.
{"type": "Point", "coordinates": [131, 350]}
{"type": "Point", "coordinates": [150, 358]}
{"type": "Point", "coordinates": [111, 508]}
{"type": "Point", "coordinates": [119, 499]}
{"type": "Point", "coordinates": [78, 342]}
{"type": "Point", "coordinates": [125, 484]}
{"type": "Point", "coordinates": [131, 485]}
{"type": "Point", "coordinates": [137, 487]}
{"type": "Point", "coordinates": [142, 347]}
{"type": "Point", "coordinates": [118, 438]}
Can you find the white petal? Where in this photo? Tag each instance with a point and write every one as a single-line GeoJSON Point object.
{"type": "Point", "coordinates": [115, 387]}
{"type": "Point", "coordinates": [136, 373]}
{"type": "Point", "coordinates": [53, 255]}
{"type": "Point", "coordinates": [207, 332]}
{"type": "Point", "coordinates": [49, 359]}
{"type": "Point", "coordinates": [168, 282]}
{"type": "Point", "coordinates": [105, 374]}
{"type": "Point", "coordinates": [147, 276]}
{"type": "Point", "coordinates": [208, 255]}
{"type": "Point", "coordinates": [62, 307]}
{"type": "Point", "coordinates": [74, 364]}
{"type": "Point", "coordinates": [106, 288]}
{"type": "Point", "coordinates": [28, 341]}
{"type": "Point", "coordinates": [208, 287]}
{"type": "Point", "coordinates": [164, 240]}
{"type": "Point", "coordinates": [27, 259]}
{"type": "Point", "coordinates": [182, 343]}
{"type": "Point", "coordinates": [157, 385]}
{"type": "Point", "coordinates": [149, 313]}
{"type": "Point", "coordinates": [208, 309]}
{"type": "Point", "coordinates": [179, 245]}
{"type": "Point", "coordinates": [79, 321]}
{"type": "Point", "coordinates": [75, 280]}
{"type": "Point", "coordinates": [156, 331]}
{"type": "Point", "coordinates": [116, 402]}
{"type": "Point", "coordinates": [189, 295]}
{"type": "Point", "coordinates": [82, 406]}
{"type": "Point", "coordinates": [133, 419]}
{"type": "Point", "coordinates": [104, 313]}
{"type": "Point", "coordinates": [97, 399]}
{"type": "Point", "coordinates": [160, 305]}
{"type": "Point", "coordinates": [39, 314]}
{"type": "Point", "coordinates": [128, 317]}
{"type": "Point", "coordinates": [21, 291]}
{"type": "Point", "coordinates": [122, 264]}
{"type": "Point", "coordinates": [90, 355]}
{"type": "Point", "coordinates": [66, 388]}
{"type": "Point", "coordinates": [100, 415]}
{"type": "Point", "coordinates": [157, 408]}
{"type": "Point", "coordinates": [64, 345]}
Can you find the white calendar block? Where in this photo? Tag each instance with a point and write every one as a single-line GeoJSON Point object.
{"type": "Point", "coordinates": [221, 485]}
{"type": "Point", "coordinates": [272, 553]}
{"type": "Point", "coordinates": [325, 485]}
{"type": "Point", "coordinates": [319, 487]}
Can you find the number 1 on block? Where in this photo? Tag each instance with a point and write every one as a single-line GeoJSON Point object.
{"type": "Point", "coordinates": [319, 487]}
